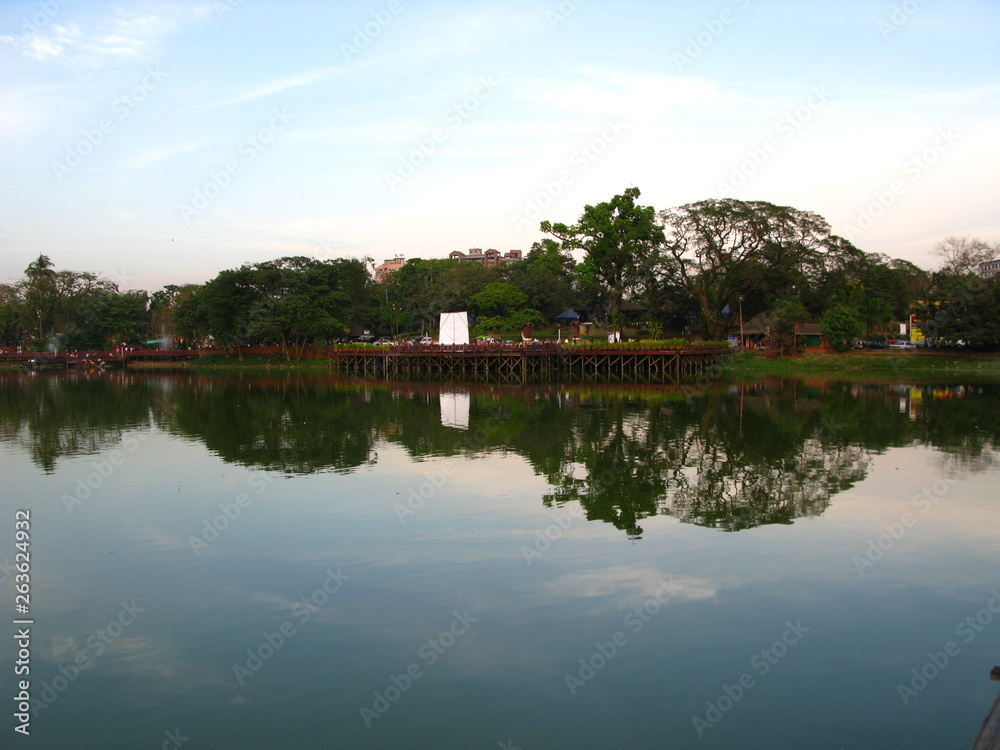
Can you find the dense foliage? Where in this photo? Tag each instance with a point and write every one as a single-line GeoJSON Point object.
{"type": "Point", "coordinates": [696, 271]}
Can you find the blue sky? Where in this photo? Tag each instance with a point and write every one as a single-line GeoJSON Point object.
{"type": "Point", "coordinates": [161, 142]}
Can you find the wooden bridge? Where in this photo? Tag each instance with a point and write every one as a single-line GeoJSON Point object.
{"type": "Point", "coordinates": [523, 362]}
{"type": "Point", "coordinates": [491, 362]}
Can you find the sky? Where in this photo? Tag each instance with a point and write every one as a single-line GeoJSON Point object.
{"type": "Point", "coordinates": [162, 142]}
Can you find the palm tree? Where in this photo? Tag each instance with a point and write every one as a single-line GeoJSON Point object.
{"type": "Point", "coordinates": [40, 291]}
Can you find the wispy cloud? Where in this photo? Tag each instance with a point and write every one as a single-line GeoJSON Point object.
{"type": "Point", "coordinates": [276, 87]}
{"type": "Point", "coordinates": [123, 36]}
{"type": "Point", "coordinates": [151, 156]}
{"type": "Point", "coordinates": [35, 47]}
{"type": "Point", "coordinates": [598, 92]}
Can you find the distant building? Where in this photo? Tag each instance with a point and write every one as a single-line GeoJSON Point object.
{"type": "Point", "coordinates": [491, 257]}
{"type": "Point", "coordinates": [989, 269]}
{"type": "Point", "coordinates": [387, 267]}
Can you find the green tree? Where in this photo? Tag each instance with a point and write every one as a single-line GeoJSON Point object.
{"type": "Point", "coordinates": [40, 294]}
{"type": "Point", "coordinates": [499, 298]}
{"type": "Point", "coordinates": [963, 309]}
{"type": "Point", "coordinates": [841, 327]}
{"type": "Point", "coordinates": [190, 317]}
{"type": "Point", "coordinates": [781, 329]}
{"type": "Point", "coordinates": [163, 307]}
{"type": "Point", "coordinates": [12, 315]}
{"type": "Point", "coordinates": [224, 307]}
{"type": "Point", "coordinates": [413, 297]}
{"type": "Point", "coordinates": [547, 276]}
{"type": "Point", "coordinates": [619, 238]}
{"type": "Point", "coordinates": [719, 248]}
{"type": "Point", "coordinates": [121, 317]}
{"type": "Point", "coordinates": [457, 283]}
{"type": "Point", "coordinates": [299, 302]}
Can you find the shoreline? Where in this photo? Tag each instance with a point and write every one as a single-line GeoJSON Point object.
{"type": "Point", "coordinates": [881, 364]}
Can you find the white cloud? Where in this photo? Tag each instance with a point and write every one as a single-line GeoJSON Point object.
{"type": "Point", "coordinates": [100, 40]}
{"type": "Point", "coordinates": [626, 585]}
{"type": "Point", "coordinates": [35, 47]}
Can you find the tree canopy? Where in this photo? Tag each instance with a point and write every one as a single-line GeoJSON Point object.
{"type": "Point", "coordinates": [689, 270]}
{"type": "Point", "coordinates": [721, 248]}
{"type": "Point", "coordinates": [619, 239]}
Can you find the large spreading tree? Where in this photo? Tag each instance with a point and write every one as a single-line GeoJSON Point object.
{"type": "Point", "coordinates": [720, 249]}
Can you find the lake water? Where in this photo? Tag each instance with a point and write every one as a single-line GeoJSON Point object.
{"type": "Point", "coordinates": [244, 561]}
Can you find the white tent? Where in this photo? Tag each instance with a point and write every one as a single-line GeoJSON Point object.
{"type": "Point", "coordinates": [454, 328]}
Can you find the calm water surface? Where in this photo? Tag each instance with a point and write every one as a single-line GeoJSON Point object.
{"type": "Point", "coordinates": [298, 562]}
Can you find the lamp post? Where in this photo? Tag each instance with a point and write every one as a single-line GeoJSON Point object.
{"type": "Point", "coordinates": [739, 298]}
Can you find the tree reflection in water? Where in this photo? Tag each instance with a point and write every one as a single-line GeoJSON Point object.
{"type": "Point", "coordinates": [729, 456]}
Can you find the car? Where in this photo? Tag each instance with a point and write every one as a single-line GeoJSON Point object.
{"type": "Point", "coordinates": [902, 345]}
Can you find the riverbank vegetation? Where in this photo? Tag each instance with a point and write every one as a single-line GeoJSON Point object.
{"type": "Point", "coordinates": [698, 271]}
{"type": "Point", "coordinates": [881, 363]}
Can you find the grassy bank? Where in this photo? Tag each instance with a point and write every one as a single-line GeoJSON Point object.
{"type": "Point", "coordinates": [880, 363]}
{"type": "Point", "coordinates": [255, 361]}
